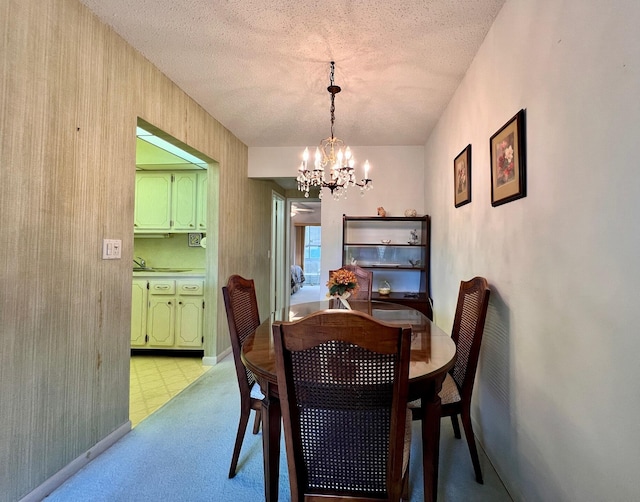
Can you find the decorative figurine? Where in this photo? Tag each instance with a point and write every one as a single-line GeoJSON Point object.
{"type": "Point", "coordinates": [409, 213]}
{"type": "Point", "coordinates": [381, 212]}
{"type": "Point", "coordinates": [384, 288]}
{"type": "Point", "coordinates": [414, 237]}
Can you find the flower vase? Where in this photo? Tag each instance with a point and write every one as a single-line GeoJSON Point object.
{"type": "Point", "coordinates": [343, 300]}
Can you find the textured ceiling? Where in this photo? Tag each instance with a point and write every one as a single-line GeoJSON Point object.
{"type": "Point", "coordinates": [262, 68]}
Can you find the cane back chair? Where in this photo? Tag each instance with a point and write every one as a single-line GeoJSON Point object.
{"type": "Point", "coordinates": [343, 379]}
{"type": "Point", "coordinates": [242, 316]}
{"type": "Point", "coordinates": [468, 327]}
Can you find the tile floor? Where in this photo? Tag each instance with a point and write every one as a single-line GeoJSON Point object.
{"type": "Point", "coordinates": [155, 380]}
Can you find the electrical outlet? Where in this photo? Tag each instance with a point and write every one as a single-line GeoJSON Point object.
{"type": "Point", "coordinates": [111, 249]}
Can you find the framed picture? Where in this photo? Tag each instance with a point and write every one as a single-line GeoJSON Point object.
{"type": "Point", "coordinates": [462, 177]}
{"type": "Point", "coordinates": [508, 161]}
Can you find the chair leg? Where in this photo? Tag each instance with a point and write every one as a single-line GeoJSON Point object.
{"type": "Point", "coordinates": [471, 442]}
{"type": "Point", "coordinates": [256, 423]}
{"type": "Point", "coordinates": [456, 426]}
{"type": "Point", "coordinates": [405, 486]}
{"type": "Point", "coordinates": [242, 427]}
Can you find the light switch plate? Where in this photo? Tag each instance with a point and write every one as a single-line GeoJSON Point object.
{"type": "Point", "coordinates": [111, 249]}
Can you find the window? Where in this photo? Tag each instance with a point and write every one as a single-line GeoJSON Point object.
{"type": "Point", "coordinates": [312, 255]}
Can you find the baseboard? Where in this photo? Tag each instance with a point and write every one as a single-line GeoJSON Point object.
{"type": "Point", "coordinates": [70, 469]}
{"type": "Point", "coordinates": [213, 360]}
{"type": "Point", "coordinates": [167, 352]}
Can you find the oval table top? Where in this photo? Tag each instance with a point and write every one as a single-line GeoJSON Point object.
{"type": "Point", "coordinates": [432, 350]}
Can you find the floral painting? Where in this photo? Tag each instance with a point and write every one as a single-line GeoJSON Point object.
{"type": "Point", "coordinates": [505, 172]}
{"type": "Point", "coordinates": [462, 177]}
{"type": "Point", "coordinates": [508, 173]}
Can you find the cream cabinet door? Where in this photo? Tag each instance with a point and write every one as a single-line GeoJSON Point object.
{"type": "Point", "coordinates": [153, 202]}
{"type": "Point", "coordinates": [161, 321]}
{"type": "Point", "coordinates": [189, 314]}
{"type": "Point", "coordinates": [202, 202]}
{"type": "Point", "coordinates": [139, 301]}
{"type": "Point", "coordinates": [185, 188]}
{"type": "Point", "coordinates": [161, 317]}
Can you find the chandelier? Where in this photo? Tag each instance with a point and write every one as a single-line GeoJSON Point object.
{"type": "Point", "coordinates": [336, 158]}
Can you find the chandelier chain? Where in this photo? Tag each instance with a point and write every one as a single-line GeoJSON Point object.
{"type": "Point", "coordinates": [333, 113]}
{"type": "Point", "coordinates": [331, 89]}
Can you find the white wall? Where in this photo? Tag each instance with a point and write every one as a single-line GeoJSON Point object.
{"type": "Point", "coordinates": [398, 181]}
{"type": "Point", "coordinates": [556, 404]}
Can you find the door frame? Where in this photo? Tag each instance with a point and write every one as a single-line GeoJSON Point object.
{"type": "Point", "coordinates": [278, 298]}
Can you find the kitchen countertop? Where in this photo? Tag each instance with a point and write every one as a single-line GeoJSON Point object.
{"type": "Point", "coordinates": [173, 272]}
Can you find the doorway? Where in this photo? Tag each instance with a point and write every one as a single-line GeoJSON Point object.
{"type": "Point", "coordinates": [305, 250]}
{"type": "Point", "coordinates": [278, 257]}
{"type": "Point", "coordinates": [159, 374]}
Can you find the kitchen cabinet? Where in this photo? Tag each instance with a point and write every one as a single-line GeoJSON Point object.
{"type": "Point", "coordinates": [201, 206]}
{"type": "Point", "coordinates": [162, 313]}
{"type": "Point", "coordinates": [139, 301]}
{"type": "Point", "coordinates": [183, 205]}
{"type": "Point", "coordinates": [189, 314]}
{"type": "Point", "coordinates": [174, 313]}
{"type": "Point", "coordinates": [396, 250]}
{"type": "Point", "coordinates": [173, 202]}
{"type": "Point", "coordinates": [153, 202]}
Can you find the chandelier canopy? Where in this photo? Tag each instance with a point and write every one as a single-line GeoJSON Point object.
{"type": "Point", "coordinates": [333, 155]}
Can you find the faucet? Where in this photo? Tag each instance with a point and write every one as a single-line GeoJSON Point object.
{"type": "Point", "coordinates": [140, 262]}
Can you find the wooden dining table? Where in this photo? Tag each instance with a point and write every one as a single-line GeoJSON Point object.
{"type": "Point", "coordinates": [433, 353]}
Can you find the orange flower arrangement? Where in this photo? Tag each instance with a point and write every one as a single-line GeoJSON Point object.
{"type": "Point", "coordinates": [342, 281]}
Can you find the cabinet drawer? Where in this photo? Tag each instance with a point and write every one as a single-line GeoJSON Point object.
{"type": "Point", "coordinates": [191, 287]}
{"type": "Point", "coordinates": [162, 287]}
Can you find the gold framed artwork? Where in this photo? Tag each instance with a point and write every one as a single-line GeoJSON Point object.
{"type": "Point", "coordinates": [462, 177]}
{"type": "Point", "coordinates": [508, 161]}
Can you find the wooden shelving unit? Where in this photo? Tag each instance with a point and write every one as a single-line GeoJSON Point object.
{"type": "Point", "coordinates": [396, 249]}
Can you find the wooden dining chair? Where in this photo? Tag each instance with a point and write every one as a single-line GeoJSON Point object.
{"type": "Point", "coordinates": [343, 379]}
{"type": "Point", "coordinates": [468, 326]}
{"type": "Point", "coordinates": [365, 281]}
{"type": "Point", "coordinates": [242, 316]}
